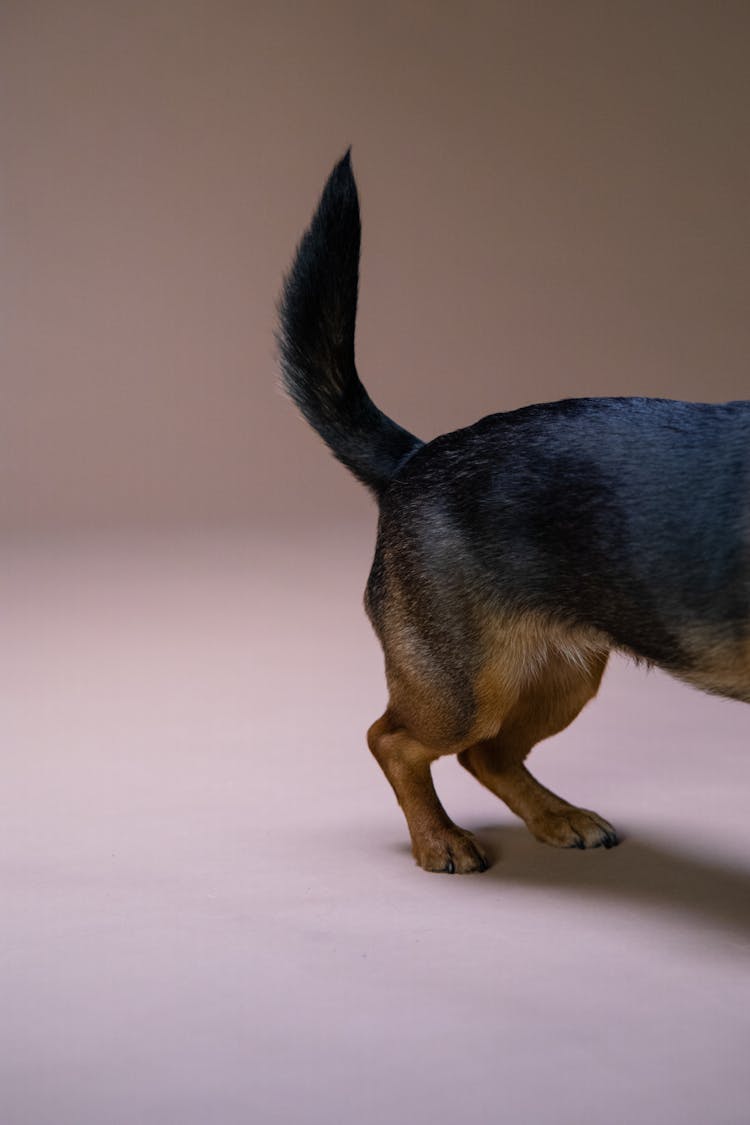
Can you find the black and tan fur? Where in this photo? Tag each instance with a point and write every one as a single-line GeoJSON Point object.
{"type": "Point", "coordinates": [514, 555]}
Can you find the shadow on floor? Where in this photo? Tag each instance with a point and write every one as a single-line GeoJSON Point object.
{"type": "Point", "coordinates": [640, 871]}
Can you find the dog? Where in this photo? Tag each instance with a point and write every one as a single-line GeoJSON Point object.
{"type": "Point", "coordinates": [514, 555]}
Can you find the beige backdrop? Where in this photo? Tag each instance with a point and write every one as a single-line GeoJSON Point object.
{"type": "Point", "coordinates": [554, 203]}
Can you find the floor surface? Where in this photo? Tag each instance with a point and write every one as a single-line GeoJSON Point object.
{"type": "Point", "coordinates": [210, 914]}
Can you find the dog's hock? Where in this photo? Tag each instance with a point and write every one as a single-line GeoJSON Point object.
{"type": "Point", "coordinates": [437, 843]}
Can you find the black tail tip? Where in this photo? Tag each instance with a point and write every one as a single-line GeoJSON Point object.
{"type": "Point", "coordinates": [342, 171]}
{"type": "Point", "coordinates": [339, 203]}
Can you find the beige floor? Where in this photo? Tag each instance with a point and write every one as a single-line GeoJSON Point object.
{"type": "Point", "coordinates": [209, 912]}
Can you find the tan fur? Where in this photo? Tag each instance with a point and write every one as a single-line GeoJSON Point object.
{"type": "Point", "coordinates": [532, 680]}
{"type": "Point", "coordinates": [543, 708]}
{"type": "Point", "coordinates": [525, 657]}
{"type": "Point", "coordinates": [437, 843]}
{"type": "Point", "coordinates": [722, 665]}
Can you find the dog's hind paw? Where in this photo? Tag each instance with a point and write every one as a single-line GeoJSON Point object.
{"type": "Point", "coordinates": [455, 852]}
{"type": "Point", "coordinates": [574, 828]}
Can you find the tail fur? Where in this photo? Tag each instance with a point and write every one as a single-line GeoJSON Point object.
{"type": "Point", "coordinates": [316, 338]}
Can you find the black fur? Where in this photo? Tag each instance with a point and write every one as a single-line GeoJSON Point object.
{"type": "Point", "coordinates": [627, 515]}
{"type": "Point", "coordinates": [317, 313]}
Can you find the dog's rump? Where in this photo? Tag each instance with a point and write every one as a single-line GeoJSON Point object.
{"type": "Point", "coordinates": [627, 516]}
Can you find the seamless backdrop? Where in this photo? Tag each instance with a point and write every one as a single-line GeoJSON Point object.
{"type": "Point", "coordinates": [209, 909]}
{"type": "Point", "coordinates": [554, 201]}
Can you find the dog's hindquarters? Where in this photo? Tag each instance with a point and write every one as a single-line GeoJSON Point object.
{"type": "Point", "coordinates": [467, 678]}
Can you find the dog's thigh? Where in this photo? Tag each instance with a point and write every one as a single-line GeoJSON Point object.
{"type": "Point", "coordinates": [553, 697]}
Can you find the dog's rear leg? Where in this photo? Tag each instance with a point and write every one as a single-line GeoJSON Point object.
{"type": "Point", "coordinates": [438, 844]}
{"type": "Point", "coordinates": [544, 708]}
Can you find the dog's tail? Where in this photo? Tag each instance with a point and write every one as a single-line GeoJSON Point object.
{"type": "Point", "coordinates": [316, 339]}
